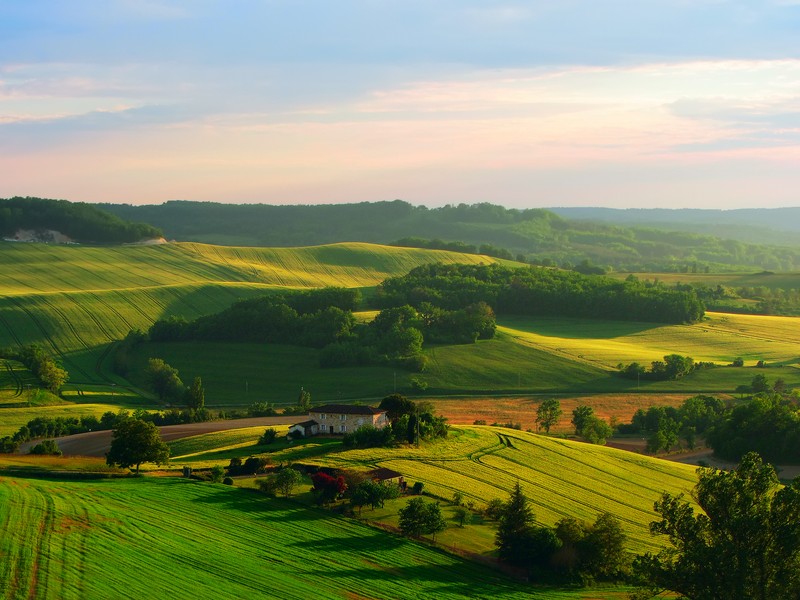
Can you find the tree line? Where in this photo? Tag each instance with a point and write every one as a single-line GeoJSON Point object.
{"type": "Point", "coordinates": [44, 367]}
{"type": "Point", "coordinates": [540, 291]}
{"type": "Point", "coordinates": [537, 235]}
{"type": "Point", "coordinates": [324, 319]}
{"type": "Point", "coordinates": [80, 221]}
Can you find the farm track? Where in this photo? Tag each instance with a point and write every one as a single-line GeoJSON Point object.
{"type": "Point", "coordinates": [16, 379]}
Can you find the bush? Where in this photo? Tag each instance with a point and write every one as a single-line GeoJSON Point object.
{"type": "Point", "coordinates": [217, 473]}
{"type": "Point", "coordinates": [418, 385]}
{"type": "Point", "coordinates": [47, 447]}
{"type": "Point", "coordinates": [228, 481]}
{"type": "Point", "coordinates": [417, 487]}
{"type": "Point", "coordinates": [268, 437]}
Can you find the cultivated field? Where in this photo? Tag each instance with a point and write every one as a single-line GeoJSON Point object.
{"type": "Point", "coordinates": [562, 478]}
{"type": "Point", "coordinates": [128, 538]}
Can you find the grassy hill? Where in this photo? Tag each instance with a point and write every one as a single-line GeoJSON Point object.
{"type": "Point", "coordinates": [127, 538]}
{"type": "Point", "coordinates": [536, 233]}
{"type": "Point", "coordinates": [562, 478]}
{"type": "Point", "coordinates": [554, 355]}
{"type": "Point", "coordinates": [76, 300]}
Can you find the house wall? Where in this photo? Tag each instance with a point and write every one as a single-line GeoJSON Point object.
{"type": "Point", "coordinates": [349, 422]}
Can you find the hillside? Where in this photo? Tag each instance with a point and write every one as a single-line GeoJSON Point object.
{"type": "Point", "coordinates": [126, 538]}
{"type": "Point", "coordinates": [750, 225]}
{"type": "Point", "coordinates": [78, 221]}
{"type": "Point", "coordinates": [535, 234]}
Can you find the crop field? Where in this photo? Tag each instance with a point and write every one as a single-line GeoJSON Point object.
{"type": "Point", "coordinates": [719, 338]}
{"type": "Point", "coordinates": [126, 538]}
{"type": "Point", "coordinates": [562, 478]}
{"type": "Point", "coordinates": [221, 441]}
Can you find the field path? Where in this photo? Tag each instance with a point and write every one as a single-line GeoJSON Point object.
{"type": "Point", "coordinates": [97, 443]}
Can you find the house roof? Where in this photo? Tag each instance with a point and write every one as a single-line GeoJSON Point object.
{"type": "Point", "coordinates": [347, 409]}
{"type": "Point", "coordinates": [305, 424]}
{"type": "Point", "coordinates": [383, 473]}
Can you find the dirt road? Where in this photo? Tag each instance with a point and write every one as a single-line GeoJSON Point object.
{"type": "Point", "coordinates": [97, 443]}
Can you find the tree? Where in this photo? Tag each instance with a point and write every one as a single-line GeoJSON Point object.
{"type": "Point", "coordinates": [603, 548]}
{"type": "Point", "coordinates": [327, 488]}
{"type": "Point", "coordinates": [134, 442]}
{"type": "Point", "coordinates": [286, 479]}
{"type": "Point", "coordinates": [581, 417]}
{"type": "Point", "coordinates": [268, 437]}
{"type": "Point", "coordinates": [548, 413]}
{"type": "Point", "coordinates": [745, 544]}
{"type": "Point", "coordinates": [163, 379]}
{"type": "Point", "coordinates": [419, 517]}
{"type": "Point", "coordinates": [514, 528]}
{"type": "Point", "coordinates": [759, 383]}
{"type": "Point", "coordinates": [196, 395]}
{"type": "Point", "coordinates": [397, 405]}
{"type": "Point", "coordinates": [461, 514]}
{"type": "Point", "coordinates": [304, 400]}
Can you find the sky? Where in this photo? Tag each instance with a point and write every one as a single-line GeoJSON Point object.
{"type": "Point", "coordinates": [634, 103]}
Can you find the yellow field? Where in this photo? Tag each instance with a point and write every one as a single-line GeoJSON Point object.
{"type": "Point", "coordinates": [720, 338]}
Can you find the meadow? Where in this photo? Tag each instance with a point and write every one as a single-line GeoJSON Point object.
{"type": "Point", "coordinates": [187, 539]}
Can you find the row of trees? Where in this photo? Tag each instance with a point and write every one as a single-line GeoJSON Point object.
{"type": "Point", "coordinates": [674, 366]}
{"type": "Point", "coordinates": [540, 291]}
{"type": "Point", "coordinates": [50, 374]}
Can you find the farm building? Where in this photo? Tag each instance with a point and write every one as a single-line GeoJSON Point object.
{"type": "Point", "coordinates": [339, 419]}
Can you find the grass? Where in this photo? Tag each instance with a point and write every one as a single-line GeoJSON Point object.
{"type": "Point", "coordinates": [562, 478]}
{"type": "Point", "coordinates": [785, 280]}
{"type": "Point", "coordinates": [127, 538]}
{"type": "Point", "coordinates": [221, 441]}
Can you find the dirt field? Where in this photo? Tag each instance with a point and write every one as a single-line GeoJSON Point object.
{"type": "Point", "coordinates": [97, 443]}
{"type": "Point", "coordinates": [522, 410]}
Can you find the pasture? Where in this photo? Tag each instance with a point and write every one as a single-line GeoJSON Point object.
{"type": "Point", "coordinates": [186, 539]}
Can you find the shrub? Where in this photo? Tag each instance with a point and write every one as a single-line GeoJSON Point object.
{"type": "Point", "coordinates": [268, 437]}
{"type": "Point", "coordinates": [217, 473]}
{"type": "Point", "coordinates": [417, 487]}
{"type": "Point", "coordinates": [228, 481]}
{"type": "Point", "coordinates": [46, 447]}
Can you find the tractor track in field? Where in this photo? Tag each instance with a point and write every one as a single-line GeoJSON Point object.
{"type": "Point", "coordinates": [17, 380]}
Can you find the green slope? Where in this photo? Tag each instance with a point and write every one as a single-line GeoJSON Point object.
{"type": "Point", "coordinates": [76, 300]}
{"type": "Point", "coordinates": [183, 539]}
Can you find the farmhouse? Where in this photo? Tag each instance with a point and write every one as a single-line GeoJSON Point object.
{"type": "Point", "coordinates": [339, 419]}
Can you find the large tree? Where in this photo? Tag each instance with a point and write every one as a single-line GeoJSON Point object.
{"type": "Point", "coordinates": [548, 413]}
{"type": "Point", "coordinates": [744, 544]}
{"type": "Point", "coordinates": [515, 528]}
{"type": "Point", "coordinates": [163, 379]}
{"type": "Point", "coordinates": [134, 442]}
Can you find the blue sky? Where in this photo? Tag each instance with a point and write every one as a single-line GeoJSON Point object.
{"type": "Point", "coordinates": [657, 103]}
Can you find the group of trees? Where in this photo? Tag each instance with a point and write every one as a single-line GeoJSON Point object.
{"type": "Point", "coordinates": [571, 550]}
{"type": "Point", "coordinates": [165, 381]}
{"type": "Point", "coordinates": [767, 423]}
{"type": "Point", "coordinates": [743, 543]}
{"type": "Point", "coordinates": [540, 291]}
{"type": "Point", "coordinates": [589, 426]}
{"type": "Point", "coordinates": [80, 221]}
{"type": "Point", "coordinates": [674, 366]}
{"type": "Point", "coordinates": [419, 517]}
{"type": "Point", "coordinates": [49, 373]}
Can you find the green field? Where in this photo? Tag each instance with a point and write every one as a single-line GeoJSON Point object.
{"type": "Point", "coordinates": [562, 478]}
{"type": "Point", "coordinates": [528, 355]}
{"type": "Point", "coordinates": [184, 539]}
{"type": "Point", "coordinates": [77, 300]}
{"type": "Point", "coordinates": [782, 280]}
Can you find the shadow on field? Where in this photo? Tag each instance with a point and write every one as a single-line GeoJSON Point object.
{"type": "Point", "coordinates": [371, 543]}
{"type": "Point", "coordinates": [573, 328]}
{"type": "Point", "coordinates": [459, 577]}
{"type": "Point", "coordinates": [251, 501]}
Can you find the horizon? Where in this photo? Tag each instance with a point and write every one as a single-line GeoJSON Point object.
{"type": "Point", "coordinates": [518, 104]}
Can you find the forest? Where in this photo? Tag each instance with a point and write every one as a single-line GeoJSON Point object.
{"type": "Point", "coordinates": [535, 235]}
{"type": "Point", "coordinates": [540, 291]}
{"type": "Point", "coordinates": [82, 222]}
